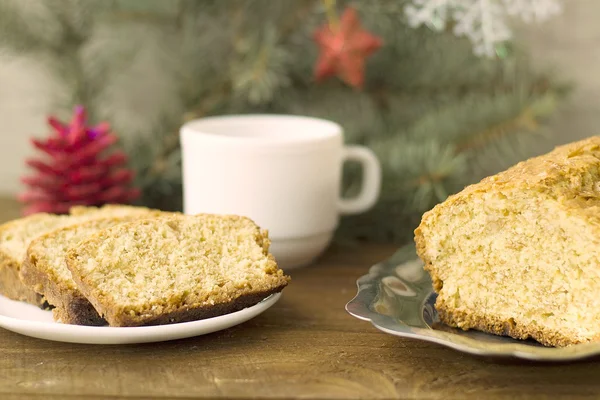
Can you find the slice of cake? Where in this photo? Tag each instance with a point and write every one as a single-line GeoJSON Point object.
{"type": "Point", "coordinates": [175, 269]}
{"type": "Point", "coordinates": [518, 254]}
{"type": "Point", "coordinates": [45, 269]}
{"type": "Point", "coordinates": [16, 235]}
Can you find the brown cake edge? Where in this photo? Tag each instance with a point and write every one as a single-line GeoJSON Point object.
{"type": "Point", "coordinates": [185, 314]}
{"type": "Point", "coordinates": [117, 317]}
{"type": "Point", "coordinates": [502, 327]}
{"type": "Point", "coordinates": [70, 307]}
{"type": "Point", "coordinates": [11, 284]}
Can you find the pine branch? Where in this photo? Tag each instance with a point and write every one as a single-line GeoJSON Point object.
{"type": "Point", "coordinates": [144, 17]}
{"type": "Point", "coordinates": [526, 120]}
{"type": "Point", "coordinates": [20, 27]}
{"type": "Point", "coordinates": [295, 20]}
{"type": "Point", "coordinates": [436, 115]}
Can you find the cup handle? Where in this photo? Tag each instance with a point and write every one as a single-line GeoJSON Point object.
{"type": "Point", "coordinates": [371, 184]}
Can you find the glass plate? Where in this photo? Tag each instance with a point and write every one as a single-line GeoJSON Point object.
{"type": "Point", "coordinates": [397, 297]}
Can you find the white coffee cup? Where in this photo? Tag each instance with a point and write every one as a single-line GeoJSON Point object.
{"type": "Point", "coordinates": [282, 171]}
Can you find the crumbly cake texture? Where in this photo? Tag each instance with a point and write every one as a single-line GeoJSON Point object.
{"type": "Point", "coordinates": [16, 235]}
{"type": "Point", "coordinates": [518, 253]}
{"type": "Point", "coordinates": [45, 269]}
{"type": "Point", "coordinates": [175, 269]}
{"type": "Point", "coordinates": [114, 210]}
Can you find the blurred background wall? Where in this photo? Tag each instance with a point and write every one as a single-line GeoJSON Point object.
{"type": "Point", "coordinates": [569, 44]}
{"type": "Point", "coordinates": [23, 102]}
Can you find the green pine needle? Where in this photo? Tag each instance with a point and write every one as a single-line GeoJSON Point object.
{"type": "Point", "coordinates": [438, 117]}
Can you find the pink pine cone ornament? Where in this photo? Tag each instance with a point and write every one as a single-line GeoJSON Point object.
{"type": "Point", "coordinates": [77, 168]}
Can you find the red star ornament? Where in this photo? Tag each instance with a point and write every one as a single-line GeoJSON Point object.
{"type": "Point", "coordinates": [344, 50]}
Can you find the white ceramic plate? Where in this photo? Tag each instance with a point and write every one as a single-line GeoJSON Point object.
{"type": "Point", "coordinates": [29, 320]}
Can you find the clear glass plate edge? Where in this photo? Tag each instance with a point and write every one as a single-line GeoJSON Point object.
{"type": "Point", "coordinates": [369, 290]}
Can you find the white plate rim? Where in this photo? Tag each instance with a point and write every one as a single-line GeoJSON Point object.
{"type": "Point", "coordinates": [128, 335]}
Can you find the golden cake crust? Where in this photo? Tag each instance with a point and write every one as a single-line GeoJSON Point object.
{"type": "Point", "coordinates": [39, 271]}
{"type": "Point", "coordinates": [561, 173]}
{"type": "Point", "coordinates": [182, 306]}
{"type": "Point", "coordinates": [70, 306]}
{"type": "Point", "coordinates": [565, 175]}
{"type": "Point", "coordinates": [11, 284]}
{"type": "Point", "coordinates": [503, 327]}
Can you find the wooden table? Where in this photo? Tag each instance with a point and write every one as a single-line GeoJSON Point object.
{"type": "Point", "coordinates": [306, 346]}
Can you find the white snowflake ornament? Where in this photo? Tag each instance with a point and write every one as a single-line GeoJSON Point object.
{"type": "Point", "coordinates": [483, 22]}
{"type": "Point", "coordinates": [533, 10]}
{"type": "Point", "coordinates": [433, 13]}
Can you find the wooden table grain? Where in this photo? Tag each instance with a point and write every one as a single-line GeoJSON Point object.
{"type": "Point", "coordinates": [306, 346]}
